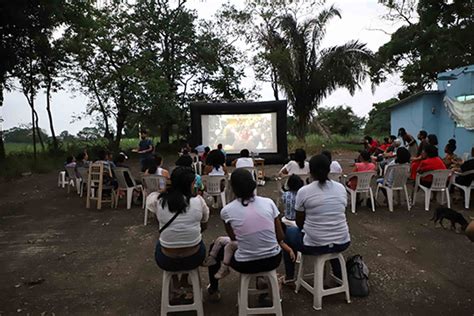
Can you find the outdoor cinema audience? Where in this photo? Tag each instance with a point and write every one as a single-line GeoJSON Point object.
{"type": "Point", "coordinates": [298, 165]}
{"type": "Point", "coordinates": [244, 161]}
{"type": "Point", "coordinates": [215, 163]}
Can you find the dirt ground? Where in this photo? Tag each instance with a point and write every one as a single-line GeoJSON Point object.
{"type": "Point", "coordinates": [57, 257]}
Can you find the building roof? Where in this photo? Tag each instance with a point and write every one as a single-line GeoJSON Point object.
{"type": "Point", "coordinates": [415, 96]}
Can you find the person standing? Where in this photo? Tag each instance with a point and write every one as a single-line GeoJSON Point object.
{"type": "Point", "coordinates": [145, 149]}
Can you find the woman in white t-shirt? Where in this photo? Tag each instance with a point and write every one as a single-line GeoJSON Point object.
{"type": "Point", "coordinates": [244, 161]}
{"type": "Point", "coordinates": [298, 165]}
{"type": "Point", "coordinates": [253, 222]}
{"type": "Point", "coordinates": [320, 216]}
{"type": "Point", "coordinates": [215, 164]}
{"type": "Point", "coordinates": [335, 167]}
{"type": "Point", "coordinates": [180, 245]}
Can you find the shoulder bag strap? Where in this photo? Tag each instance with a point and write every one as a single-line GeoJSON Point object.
{"type": "Point", "coordinates": [169, 222]}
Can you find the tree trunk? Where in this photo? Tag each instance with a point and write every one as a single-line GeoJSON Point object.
{"type": "Point", "coordinates": [323, 130]}
{"type": "Point", "coordinates": [302, 128]}
{"type": "Point", "coordinates": [33, 129]}
{"type": "Point", "coordinates": [118, 135]}
{"type": "Point", "coordinates": [165, 134]}
{"type": "Point", "coordinates": [50, 116]}
{"type": "Point", "coordinates": [274, 84]}
{"type": "Point", "coordinates": [36, 125]}
{"type": "Point", "coordinates": [2, 145]}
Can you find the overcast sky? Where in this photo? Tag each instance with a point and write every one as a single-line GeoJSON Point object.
{"type": "Point", "coordinates": [359, 18]}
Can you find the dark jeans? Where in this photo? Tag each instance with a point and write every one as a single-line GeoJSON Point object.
{"type": "Point", "coordinates": [180, 264]}
{"type": "Point", "coordinates": [294, 239]}
{"type": "Point", "coordinates": [247, 267]}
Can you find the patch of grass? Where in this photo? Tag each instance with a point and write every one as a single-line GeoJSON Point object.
{"type": "Point", "coordinates": [315, 143]}
{"type": "Point", "coordinates": [18, 163]}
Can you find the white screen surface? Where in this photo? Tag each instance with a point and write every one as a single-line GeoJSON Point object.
{"type": "Point", "coordinates": [255, 132]}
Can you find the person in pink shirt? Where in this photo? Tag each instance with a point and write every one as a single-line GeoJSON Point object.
{"type": "Point", "coordinates": [365, 164]}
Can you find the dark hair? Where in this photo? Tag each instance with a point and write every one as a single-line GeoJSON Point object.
{"type": "Point", "coordinates": [102, 154]}
{"type": "Point", "coordinates": [69, 159]}
{"type": "Point", "coordinates": [150, 165]}
{"type": "Point", "coordinates": [184, 161]}
{"type": "Point", "coordinates": [423, 133]}
{"type": "Point", "coordinates": [207, 149]}
{"type": "Point", "coordinates": [243, 185]}
{"type": "Point", "coordinates": [432, 139]}
{"type": "Point", "coordinates": [385, 139]}
{"type": "Point", "coordinates": [431, 151]}
{"type": "Point", "coordinates": [393, 137]}
{"type": "Point", "coordinates": [451, 146]}
{"type": "Point", "coordinates": [403, 155]}
{"type": "Point", "coordinates": [319, 167]}
{"type": "Point", "coordinates": [294, 183]}
{"type": "Point", "coordinates": [244, 153]}
{"type": "Point", "coordinates": [365, 155]}
{"type": "Point", "coordinates": [215, 158]}
{"type": "Point", "coordinates": [300, 157]}
{"type": "Point", "coordinates": [327, 153]}
{"type": "Point", "coordinates": [80, 156]}
{"type": "Point", "coordinates": [219, 146]}
{"type": "Point", "coordinates": [368, 138]}
{"type": "Point", "coordinates": [143, 131]}
{"type": "Point", "coordinates": [402, 131]}
{"type": "Point", "coordinates": [180, 192]}
{"type": "Point", "coordinates": [120, 159]}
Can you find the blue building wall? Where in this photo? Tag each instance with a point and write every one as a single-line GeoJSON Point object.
{"type": "Point", "coordinates": [426, 111]}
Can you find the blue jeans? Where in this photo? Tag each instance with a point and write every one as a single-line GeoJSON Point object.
{"type": "Point", "coordinates": [294, 239]}
{"type": "Point", "coordinates": [180, 264]}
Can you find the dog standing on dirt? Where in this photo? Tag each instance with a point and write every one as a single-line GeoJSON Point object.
{"type": "Point", "coordinates": [446, 213]}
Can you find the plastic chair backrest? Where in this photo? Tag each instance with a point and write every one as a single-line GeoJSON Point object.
{"type": "Point", "coordinates": [399, 175]}
{"type": "Point", "coordinates": [440, 179]}
{"type": "Point", "coordinates": [335, 176]}
{"type": "Point", "coordinates": [197, 167]}
{"type": "Point", "coordinates": [363, 179]}
{"type": "Point", "coordinates": [154, 183]}
{"type": "Point", "coordinates": [71, 173]}
{"type": "Point", "coordinates": [120, 176]}
{"type": "Point", "coordinates": [83, 172]}
{"type": "Point", "coordinates": [213, 183]}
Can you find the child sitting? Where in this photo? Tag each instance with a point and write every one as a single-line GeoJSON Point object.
{"type": "Point", "coordinates": [230, 246]}
{"type": "Point", "coordinates": [294, 183]}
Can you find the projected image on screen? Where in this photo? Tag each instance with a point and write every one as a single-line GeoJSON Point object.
{"type": "Point", "coordinates": [256, 132]}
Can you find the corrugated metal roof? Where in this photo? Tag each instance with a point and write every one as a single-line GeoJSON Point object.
{"type": "Point", "coordinates": [415, 96]}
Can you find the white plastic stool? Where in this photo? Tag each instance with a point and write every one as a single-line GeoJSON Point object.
{"type": "Point", "coordinates": [244, 291]}
{"type": "Point", "coordinates": [62, 179]}
{"type": "Point", "coordinates": [193, 276]}
{"type": "Point", "coordinates": [317, 289]}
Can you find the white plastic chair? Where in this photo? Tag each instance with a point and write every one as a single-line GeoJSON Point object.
{"type": "Point", "coordinates": [213, 188]}
{"type": "Point", "coordinates": [363, 186]}
{"type": "Point", "coordinates": [466, 189]}
{"type": "Point", "coordinates": [166, 307]}
{"type": "Point", "coordinates": [244, 292]}
{"type": "Point", "coordinates": [83, 172]}
{"type": "Point", "coordinates": [318, 289]}
{"type": "Point", "coordinates": [399, 175]}
{"type": "Point", "coordinates": [197, 167]}
{"type": "Point", "coordinates": [439, 184]}
{"type": "Point", "coordinates": [62, 179]}
{"type": "Point", "coordinates": [151, 184]}
{"type": "Point", "coordinates": [335, 176]}
{"type": "Point", "coordinates": [123, 186]}
{"type": "Point", "coordinates": [73, 180]}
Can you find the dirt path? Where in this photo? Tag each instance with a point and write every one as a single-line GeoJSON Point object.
{"type": "Point", "coordinates": [101, 262]}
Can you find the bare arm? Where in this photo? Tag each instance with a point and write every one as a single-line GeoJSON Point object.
{"type": "Point", "coordinates": [230, 231]}
{"type": "Point", "coordinates": [300, 217]}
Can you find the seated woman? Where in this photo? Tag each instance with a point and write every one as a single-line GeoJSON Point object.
{"type": "Point", "coordinates": [451, 160]}
{"type": "Point", "coordinates": [215, 164]}
{"type": "Point", "coordinates": [182, 217]}
{"type": "Point", "coordinates": [253, 222]}
{"type": "Point", "coordinates": [371, 145]}
{"type": "Point", "coordinates": [430, 162]}
{"type": "Point", "coordinates": [416, 159]}
{"type": "Point", "coordinates": [403, 157]}
{"type": "Point", "coordinates": [244, 161]}
{"type": "Point", "coordinates": [335, 166]}
{"type": "Point", "coordinates": [298, 165]}
{"type": "Point", "coordinates": [321, 213]}
{"type": "Point", "coordinates": [365, 164]}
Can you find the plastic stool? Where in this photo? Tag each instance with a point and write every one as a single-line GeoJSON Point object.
{"type": "Point", "coordinates": [193, 276]}
{"type": "Point", "coordinates": [317, 289]}
{"type": "Point", "coordinates": [244, 292]}
{"type": "Point", "coordinates": [62, 179]}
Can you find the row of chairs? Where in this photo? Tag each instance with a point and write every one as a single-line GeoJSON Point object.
{"type": "Point", "coordinates": [395, 179]}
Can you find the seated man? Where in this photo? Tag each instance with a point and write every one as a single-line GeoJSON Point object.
{"type": "Point", "coordinates": [244, 161]}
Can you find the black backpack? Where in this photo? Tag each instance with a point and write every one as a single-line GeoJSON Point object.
{"type": "Point", "coordinates": [358, 276]}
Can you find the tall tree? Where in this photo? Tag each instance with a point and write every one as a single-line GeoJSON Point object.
{"type": "Point", "coordinates": [340, 119]}
{"type": "Point", "coordinates": [378, 118]}
{"type": "Point", "coordinates": [436, 35]}
{"type": "Point", "coordinates": [307, 72]}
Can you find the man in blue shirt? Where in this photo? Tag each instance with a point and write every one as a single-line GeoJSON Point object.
{"type": "Point", "coordinates": [145, 149]}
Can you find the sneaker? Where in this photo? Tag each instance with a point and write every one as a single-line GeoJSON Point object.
{"type": "Point", "coordinates": [223, 272]}
{"type": "Point", "coordinates": [209, 261]}
{"type": "Point", "coordinates": [213, 296]}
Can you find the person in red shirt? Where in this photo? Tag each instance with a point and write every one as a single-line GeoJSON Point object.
{"type": "Point", "coordinates": [430, 162]}
{"type": "Point", "coordinates": [386, 143]}
{"type": "Point", "coordinates": [370, 144]}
